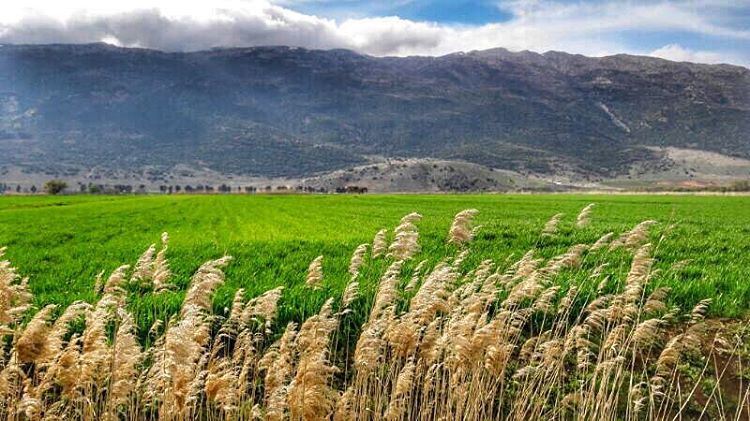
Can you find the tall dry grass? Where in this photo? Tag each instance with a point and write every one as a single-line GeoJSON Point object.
{"type": "Point", "coordinates": [515, 341]}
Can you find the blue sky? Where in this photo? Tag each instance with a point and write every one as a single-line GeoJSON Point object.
{"type": "Point", "coordinates": [467, 12]}
{"type": "Point", "coordinates": [730, 14]}
{"type": "Point", "coordinates": [708, 31]}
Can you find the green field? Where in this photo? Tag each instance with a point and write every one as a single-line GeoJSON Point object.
{"type": "Point", "coordinates": [62, 243]}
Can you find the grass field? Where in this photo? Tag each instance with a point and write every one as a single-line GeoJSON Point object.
{"type": "Point", "coordinates": [528, 316]}
{"type": "Point", "coordinates": [62, 243]}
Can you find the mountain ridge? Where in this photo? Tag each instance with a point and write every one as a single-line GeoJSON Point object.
{"type": "Point", "coordinates": [292, 112]}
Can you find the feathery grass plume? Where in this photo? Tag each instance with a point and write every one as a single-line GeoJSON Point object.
{"type": "Point", "coordinates": [569, 259]}
{"type": "Point", "coordinates": [177, 364]}
{"type": "Point", "coordinates": [603, 241]}
{"type": "Point", "coordinates": [633, 238]}
{"type": "Point", "coordinates": [432, 295]}
{"type": "Point", "coordinates": [95, 361]}
{"type": "Point", "coordinates": [221, 386]}
{"type": "Point", "coordinates": [667, 361]}
{"type": "Point", "coordinates": [431, 299]}
{"type": "Point", "coordinates": [315, 273]}
{"type": "Point", "coordinates": [228, 334]}
{"type": "Point", "coordinates": [15, 296]}
{"type": "Point", "coordinates": [379, 244]}
{"type": "Point", "coordinates": [398, 405]}
{"type": "Point", "coordinates": [144, 267]}
{"type": "Point", "coordinates": [30, 404]}
{"type": "Point", "coordinates": [460, 257]}
{"type": "Point", "coordinates": [161, 272]}
{"type": "Point", "coordinates": [462, 230]}
{"type": "Point", "coordinates": [310, 395]}
{"type": "Point", "coordinates": [647, 333]}
{"type": "Point", "coordinates": [351, 293]}
{"type": "Point", "coordinates": [639, 274]}
{"type": "Point", "coordinates": [415, 276]}
{"type": "Point", "coordinates": [584, 217]}
{"type": "Point", "coordinates": [278, 364]}
{"type": "Point", "coordinates": [126, 355]}
{"type": "Point", "coordinates": [597, 272]}
{"type": "Point", "coordinates": [67, 368]}
{"type": "Point", "coordinates": [551, 227]}
{"type": "Point", "coordinates": [406, 238]}
{"type": "Point", "coordinates": [699, 311]}
{"type": "Point", "coordinates": [192, 396]}
{"type": "Point", "coordinates": [155, 328]}
{"type": "Point", "coordinates": [526, 265]}
{"type": "Point", "coordinates": [31, 342]}
{"type": "Point", "coordinates": [54, 341]}
{"type": "Point", "coordinates": [99, 282]}
{"type": "Point", "coordinates": [95, 336]}
{"type": "Point", "coordinates": [655, 302]}
{"type": "Point", "coordinates": [204, 282]}
{"type": "Point", "coordinates": [265, 306]}
{"type": "Point", "coordinates": [641, 264]}
{"type": "Point", "coordinates": [567, 301]}
{"type": "Point", "coordinates": [483, 271]}
{"type": "Point", "coordinates": [345, 406]}
{"type": "Point", "coordinates": [115, 282]}
{"type": "Point", "coordinates": [370, 344]}
{"type": "Point", "coordinates": [357, 259]}
{"type": "Point", "coordinates": [543, 303]}
{"type": "Point", "coordinates": [171, 379]}
{"type": "Point", "coordinates": [387, 292]}
{"type": "Point", "coordinates": [231, 325]}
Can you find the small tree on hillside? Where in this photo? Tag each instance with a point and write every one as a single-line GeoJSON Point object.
{"type": "Point", "coordinates": [55, 186]}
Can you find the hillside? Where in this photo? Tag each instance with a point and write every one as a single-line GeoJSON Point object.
{"type": "Point", "coordinates": [70, 110]}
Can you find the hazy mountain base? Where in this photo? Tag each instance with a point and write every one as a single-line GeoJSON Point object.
{"type": "Point", "coordinates": [685, 168]}
{"type": "Point", "coordinates": [676, 169]}
{"type": "Point", "coordinates": [388, 175]}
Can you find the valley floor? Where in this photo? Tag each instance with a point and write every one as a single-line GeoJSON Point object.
{"type": "Point", "coordinates": [62, 243]}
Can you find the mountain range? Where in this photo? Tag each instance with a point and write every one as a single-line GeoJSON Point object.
{"type": "Point", "coordinates": [71, 111]}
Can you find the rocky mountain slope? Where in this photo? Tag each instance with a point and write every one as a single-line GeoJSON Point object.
{"type": "Point", "coordinates": [287, 112]}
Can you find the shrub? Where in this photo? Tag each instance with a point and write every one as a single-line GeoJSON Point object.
{"type": "Point", "coordinates": [55, 186]}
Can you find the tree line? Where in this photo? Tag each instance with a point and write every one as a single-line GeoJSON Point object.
{"type": "Point", "coordinates": [54, 187]}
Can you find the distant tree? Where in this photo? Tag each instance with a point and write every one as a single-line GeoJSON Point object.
{"type": "Point", "coordinates": [55, 186]}
{"type": "Point", "coordinates": [33, 189]}
{"type": "Point", "coordinates": [18, 188]}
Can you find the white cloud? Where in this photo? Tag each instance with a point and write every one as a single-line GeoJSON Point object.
{"type": "Point", "coordinates": [676, 52]}
{"type": "Point", "coordinates": [581, 27]}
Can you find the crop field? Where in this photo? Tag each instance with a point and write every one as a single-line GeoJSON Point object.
{"type": "Point", "coordinates": [463, 306]}
{"type": "Point", "coordinates": [62, 243]}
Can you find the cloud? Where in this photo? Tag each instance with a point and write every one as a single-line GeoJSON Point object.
{"type": "Point", "coordinates": [592, 28]}
{"type": "Point", "coordinates": [676, 52]}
